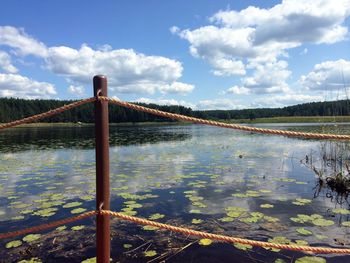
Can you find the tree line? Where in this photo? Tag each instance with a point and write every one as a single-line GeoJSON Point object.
{"type": "Point", "coordinates": [13, 109]}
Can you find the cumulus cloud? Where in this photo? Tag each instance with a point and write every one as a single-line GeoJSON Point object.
{"type": "Point", "coordinates": [276, 101]}
{"type": "Point", "coordinates": [127, 70]}
{"type": "Point", "coordinates": [328, 75]}
{"type": "Point", "coordinates": [219, 104]}
{"type": "Point", "coordinates": [14, 85]}
{"type": "Point", "coordinates": [5, 63]}
{"type": "Point", "coordinates": [166, 102]}
{"type": "Point", "coordinates": [76, 90]}
{"type": "Point", "coordinates": [238, 90]}
{"type": "Point", "coordinates": [22, 43]}
{"type": "Point", "coordinates": [237, 39]}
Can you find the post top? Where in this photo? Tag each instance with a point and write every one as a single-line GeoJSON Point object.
{"type": "Point", "coordinates": [100, 76]}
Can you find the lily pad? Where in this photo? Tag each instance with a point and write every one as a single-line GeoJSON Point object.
{"type": "Point", "coordinates": [341, 211]}
{"type": "Point", "coordinates": [196, 221]}
{"type": "Point", "coordinates": [127, 246]}
{"type": "Point", "coordinates": [14, 243]}
{"type": "Point", "coordinates": [61, 228]}
{"type": "Point", "coordinates": [205, 242]}
{"type": "Point", "coordinates": [346, 223]}
{"type": "Point", "coordinates": [78, 210]}
{"type": "Point", "coordinates": [77, 228]}
{"type": "Point", "coordinates": [242, 246]}
{"type": "Point", "coordinates": [150, 253]}
{"type": "Point", "coordinates": [32, 260]}
{"type": "Point", "coordinates": [308, 259]}
{"type": "Point", "coordinates": [304, 231]}
{"type": "Point", "coordinates": [156, 216]}
{"type": "Point", "coordinates": [266, 206]}
{"type": "Point", "coordinates": [90, 260]}
{"type": "Point", "coordinates": [322, 222]}
{"type": "Point", "coordinates": [149, 228]}
{"type": "Point", "coordinates": [31, 237]}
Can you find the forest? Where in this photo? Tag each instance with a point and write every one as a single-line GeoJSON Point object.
{"type": "Point", "coordinates": [13, 109]}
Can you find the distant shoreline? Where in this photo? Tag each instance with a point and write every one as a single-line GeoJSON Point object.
{"type": "Point", "coordinates": [296, 119]}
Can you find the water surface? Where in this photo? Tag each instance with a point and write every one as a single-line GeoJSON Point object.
{"type": "Point", "coordinates": [223, 181]}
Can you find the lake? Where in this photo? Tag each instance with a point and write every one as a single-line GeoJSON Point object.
{"type": "Point", "coordinates": [223, 181]}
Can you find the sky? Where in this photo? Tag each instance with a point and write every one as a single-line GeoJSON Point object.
{"type": "Point", "coordinates": [203, 54]}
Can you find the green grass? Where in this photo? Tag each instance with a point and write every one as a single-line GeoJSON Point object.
{"type": "Point", "coordinates": [303, 119]}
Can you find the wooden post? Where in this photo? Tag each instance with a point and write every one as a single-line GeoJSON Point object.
{"type": "Point", "coordinates": [102, 170]}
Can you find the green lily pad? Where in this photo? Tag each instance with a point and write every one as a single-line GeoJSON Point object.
{"type": "Point", "coordinates": [14, 243]}
{"type": "Point", "coordinates": [150, 253]}
{"type": "Point", "coordinates": [341, 211]}
{"type": "Point", "coordinates": [78, 210]}
{"type": "Point", "coordinates": [308, 259]}
{"type": "Point", "coordinates": [242, 246]}
{"type": "Point", "coordinates": [322, 222]}
{"type": "Point", "coordinates": [346, 223]}
{"type": "Point", "coordinates": [127, 246]}
{"type": "Point", "coordinates": [32, 260]}
{"type": "Point", "coordinates": [61, 228]}
{"type": "Point", "coordinates": [77, 228]}
{"type": "Point", "coordinates": [31, 237]}
{"type": "Point", "coordinates": [149, 228]}
{"type": "Point", "coordinates": [196, 221]}
{"type": "Point", "coordinates": [304, 231]}
{"type": "Point", "coordinates": [266, 206]}
{"type": "Point", "coordinates": [156, 216]}
{"type": "Point", "coordinates": [205, 242]}
{"type": "Point", "coordinates": [90, 260]}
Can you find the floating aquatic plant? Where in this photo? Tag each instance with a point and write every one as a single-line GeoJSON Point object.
{"type": "Point", "coordinates": [150, 253]}
{"type": "Point", "coordinates": [156, 216]}
{"type": "Point", "coordinates": [31, 237]}
{"type": "Point", "coordinates": [78, 210]}
{"type": "Point", "coordinates": [242, 246]}
{"type": "Point", "coordinates": [266, 206]}
{"type": "Point", "coordinates": [196, 221]}
{"type": "Point", "coordinates": [77, 228]}
{"type": "Point", "coordinates": [13, 244]}
{"type": "Point", "coordinates": [304, 231]}
{"type": "Point", "coordinates": [341, 211]}
{"type": "Point", "coordinates": [308, 259]}
{"type": "Point", "coordinates": [205, 242]}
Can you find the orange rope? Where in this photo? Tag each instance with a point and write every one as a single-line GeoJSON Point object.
{"type": "Point", "coordinates": [182, 230]}
{"type": "Point", "coordinates": [46, 114]}
{"type": "Point", "coordinates": [47, 226]}
{"type": "Point", "coordinates": [222, 238]}
{"type": "Point", "coordinates": [225, 125]}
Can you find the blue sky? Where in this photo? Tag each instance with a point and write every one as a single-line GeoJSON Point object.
{"type": "Point", "coordinates": [204, 54]}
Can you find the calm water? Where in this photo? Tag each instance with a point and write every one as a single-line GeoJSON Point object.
{"type": "Point", "coordinates": [223, 181]}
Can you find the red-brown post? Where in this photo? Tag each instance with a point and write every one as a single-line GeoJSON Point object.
{"type": "Point", "coordinates": [102, 170]}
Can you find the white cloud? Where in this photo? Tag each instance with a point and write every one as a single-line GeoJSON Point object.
{"type": "Point", "coordinates": [219, 104]}
{"type": "Point", "coordinates": [166, 102]}
{"type": "Point", "coordinates": [76, 90]}
{"type": "Point", "coordinates": [238, 39]}
{"type": "Point", "coordinates": [268, 78]}
{"type": "Point", "coordinates": [328, 75]}
{"type": "Point", "coordinates": [177, 87]}
{"type": "Point", "coordinates": [5, 63]}
{"type": "Point", "coordinates": [22, 43]}
{"type": "Point", "coordinates": [127, 70]}
{"type": "Point", "coordinates": [238, 90]}
{"type": "Point", "coordinates": [14, 85]}
{"type": "Point", "coordinates": [276, 101]}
